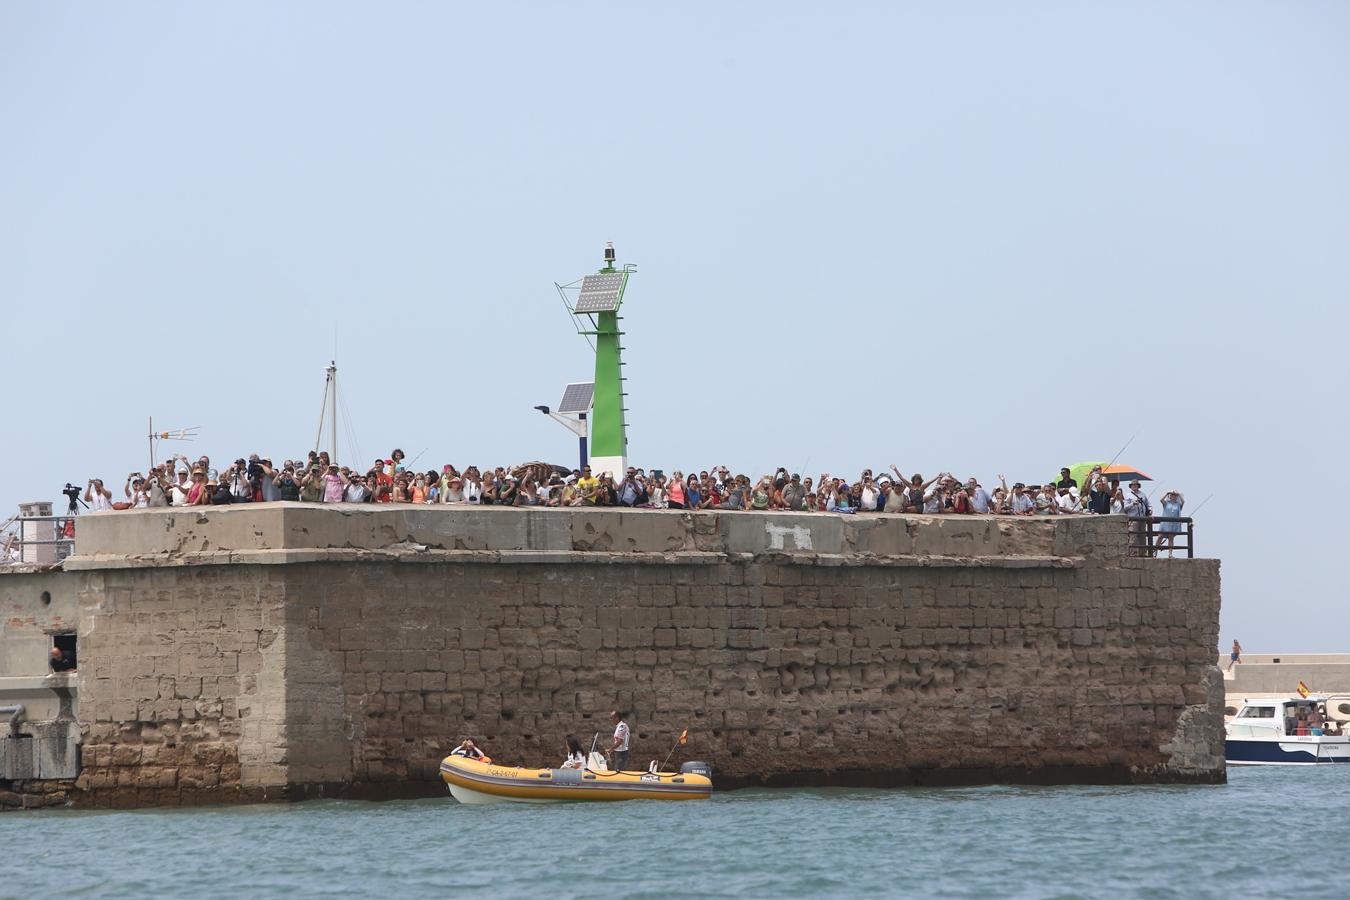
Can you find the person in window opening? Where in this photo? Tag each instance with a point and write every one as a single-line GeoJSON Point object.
{"type": "Point", "coordinates": [618, 751]}
{"type": "Point", "coordinates": [576, 757]}
{"type": "Point", "coordinates": [62, 660]}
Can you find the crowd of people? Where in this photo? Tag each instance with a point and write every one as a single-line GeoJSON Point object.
{"type": "Point", "coordinates": [316, 479]}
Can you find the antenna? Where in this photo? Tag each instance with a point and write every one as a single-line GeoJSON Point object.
{"type": "Point", "coordinates": [178, 434]}
{"type": "Point", "coordinates": [329, 409]}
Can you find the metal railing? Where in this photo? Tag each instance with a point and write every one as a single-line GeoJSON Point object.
{"type": "Point", "coordinates": [1147, 538]}
{"type": "Point", "coordinates": [25, 543]}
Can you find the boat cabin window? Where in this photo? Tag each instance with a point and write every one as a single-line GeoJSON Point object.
{"type": "Point", "coordinates": [1257, 712]}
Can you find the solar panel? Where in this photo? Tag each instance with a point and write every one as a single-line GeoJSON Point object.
{"type": "Point", "coordinates": [600, 293]}
{"type": "Point", "coordinates": [577, 398]}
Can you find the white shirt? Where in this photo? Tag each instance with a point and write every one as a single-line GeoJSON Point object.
{"type": "Point", "coordinates": [240, 486]}
{"type": "Point", "coordinates": [1136, 504]}
{"type": "Point", "coordinates": [355, 493]}
{"type": "Point", "coordinates": [621, 736]}
{"type": "Point", "coordinates": [98, 502]}
{"type": "Point", "coordinates": [575, 761]}
{"type": "Point", "coordinates": [1068, 503]}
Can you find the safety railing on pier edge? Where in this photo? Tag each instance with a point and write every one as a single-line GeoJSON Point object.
{"type": "Point", "coordinates": [38, 540]}
{"type": "Point", "coordinates": [1156, 535]}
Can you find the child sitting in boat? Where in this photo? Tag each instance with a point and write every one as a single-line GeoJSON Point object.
{"type": "Point", "coordinates": [576, 758]}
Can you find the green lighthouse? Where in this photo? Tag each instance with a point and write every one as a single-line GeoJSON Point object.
{"type": "Point", "coordinates": [598, 302]}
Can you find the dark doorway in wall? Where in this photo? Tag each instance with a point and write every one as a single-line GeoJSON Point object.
{"type": "Point", "coordinates": [64, 658]}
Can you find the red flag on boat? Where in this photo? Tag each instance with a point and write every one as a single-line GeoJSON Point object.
{"type": "Point", "coordinates": [684, 737]}
{"type": "Point", "coordinates": [1303, 690]}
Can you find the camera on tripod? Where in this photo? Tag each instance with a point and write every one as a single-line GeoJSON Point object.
{"type": "Point", "coordinates": [73, 495]}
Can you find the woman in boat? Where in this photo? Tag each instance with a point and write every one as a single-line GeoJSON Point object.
{"type": "Point", "coordinates": [466, 748]}
{"type": "Point", "coordinates": [576, 758]}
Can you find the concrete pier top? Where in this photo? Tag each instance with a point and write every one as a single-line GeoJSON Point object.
{"type": "Point", "coordinates": [293, 532]}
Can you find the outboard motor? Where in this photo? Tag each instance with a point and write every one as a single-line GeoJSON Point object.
{"type": "Point", "coordinates": [696, 768]}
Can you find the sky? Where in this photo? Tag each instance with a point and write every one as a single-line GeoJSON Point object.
{"type": "Point", "coordinates": [982, 238]}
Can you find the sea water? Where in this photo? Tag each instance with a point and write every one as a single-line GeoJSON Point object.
{"type": "Point", "coordinates": [1269, 831]}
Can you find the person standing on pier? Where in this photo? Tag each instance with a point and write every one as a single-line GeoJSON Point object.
{"type": "Point", "coordinates": [1235, 657]}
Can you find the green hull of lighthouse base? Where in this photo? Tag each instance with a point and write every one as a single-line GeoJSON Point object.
{"type": "Point", "coordinates": [609, 439]}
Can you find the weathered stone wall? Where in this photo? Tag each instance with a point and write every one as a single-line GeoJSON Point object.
{"type": "Point", "coordinates": [796, 649]}
{"type": "Point", "coordinates": [182, 684]}
{"type": "Point", "coordinates": [42, 740]}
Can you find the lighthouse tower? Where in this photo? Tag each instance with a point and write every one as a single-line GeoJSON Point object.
{"type": "Point", "coordinates": [597, 303]}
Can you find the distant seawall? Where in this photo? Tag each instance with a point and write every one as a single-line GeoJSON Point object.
{"type": "Point", "coordinates": [287, 650]}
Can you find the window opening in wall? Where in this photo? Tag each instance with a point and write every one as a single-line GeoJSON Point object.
{"type": "Point", "coordinates": [63, 653]}
{"type": "Point", "coordinates": [46, 598]}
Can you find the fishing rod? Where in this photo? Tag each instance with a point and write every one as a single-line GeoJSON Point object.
{"type": "Point", "coordinates": [682, 739]}
{"type": "Point", "coordinates": [415, 459]}
{"type": "Point", "coordinates": [1202, 503]}
{"type": "Point", "coordinates": [1123, 449]}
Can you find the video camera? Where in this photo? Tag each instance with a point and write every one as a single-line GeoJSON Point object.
{"type": "Point", "coordinates": [73, 495]}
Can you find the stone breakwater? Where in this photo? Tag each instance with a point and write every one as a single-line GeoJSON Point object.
{"type": "Point", "coordinates": [282, 651]}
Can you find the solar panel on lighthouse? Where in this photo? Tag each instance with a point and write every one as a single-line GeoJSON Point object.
{"type": "Point", "coordinates": [577, 397]}
{"type": "Point", "coordinates": [599, 293]}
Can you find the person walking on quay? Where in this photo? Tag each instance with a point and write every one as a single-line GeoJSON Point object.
{"type": "Point", "coordinates": [618, 751]}
{"type": "Point", "coordinates": [1236, 656]}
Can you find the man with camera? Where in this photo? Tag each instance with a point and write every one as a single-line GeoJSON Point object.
{"type": "Point", "coordinates": [237, 477]}
{"type": "Point", "coordinates": [97, 497]}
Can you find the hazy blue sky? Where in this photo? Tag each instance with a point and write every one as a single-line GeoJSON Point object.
{"type": "Point", "coordinates": [993, 239]}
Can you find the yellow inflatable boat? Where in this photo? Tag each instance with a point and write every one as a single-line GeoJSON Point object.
{"type": "Point", "coordinates": [473, 781]}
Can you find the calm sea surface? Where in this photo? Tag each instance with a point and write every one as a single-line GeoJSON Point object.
{"type": "Point", "coordinates": [1269, 831]}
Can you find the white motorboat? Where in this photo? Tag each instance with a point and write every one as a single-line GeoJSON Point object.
{"type": "Point", "coordinates": [1288, 731]}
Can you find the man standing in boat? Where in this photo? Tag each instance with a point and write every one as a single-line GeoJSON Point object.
{"type": "Point", "coordinates": [618, 751]}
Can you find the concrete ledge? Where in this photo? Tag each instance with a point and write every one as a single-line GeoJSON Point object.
{"type": "Point", "coordinates": [205, 536]}
{"type": "Point", "coordinates": [533, 557]}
